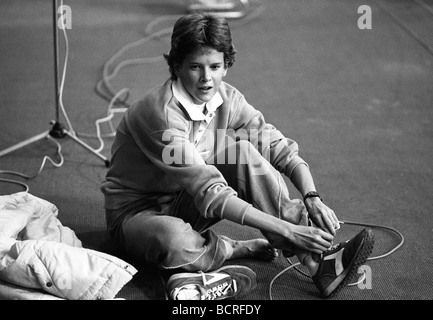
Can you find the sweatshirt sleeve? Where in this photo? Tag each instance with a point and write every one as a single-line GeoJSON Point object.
{"type": "Point", "coordinates": [249, 124]}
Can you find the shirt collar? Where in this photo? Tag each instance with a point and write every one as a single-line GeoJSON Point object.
{"type": "Point", "coordinates": [195, 111]}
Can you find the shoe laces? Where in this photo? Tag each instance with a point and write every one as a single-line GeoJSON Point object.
{"type": "Point", "coordinates": [333, 247]}
{"type": "Point", "coordinates": [318, 256]}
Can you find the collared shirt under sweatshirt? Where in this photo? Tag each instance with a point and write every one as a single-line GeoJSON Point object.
{"type": "Point", "coordinates": [164, 143]}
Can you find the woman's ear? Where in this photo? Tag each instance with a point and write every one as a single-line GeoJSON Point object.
{"type": "Point", "coordinates": [225, 72]}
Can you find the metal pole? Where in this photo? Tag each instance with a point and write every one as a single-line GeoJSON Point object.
{"type": "Point", "coordinates": [56, 60]}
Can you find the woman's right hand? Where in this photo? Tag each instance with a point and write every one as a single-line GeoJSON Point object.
{"type": "Point", "coordinates": [310, 238]}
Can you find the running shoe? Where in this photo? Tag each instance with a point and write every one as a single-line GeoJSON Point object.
{"type": "Point", "coordinates": [340, 264]}
{"type": "Point", "coordinates": [227, 282]}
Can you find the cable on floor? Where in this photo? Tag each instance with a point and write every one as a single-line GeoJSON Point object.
{"type": "Point", "coordinates": [44, 160]}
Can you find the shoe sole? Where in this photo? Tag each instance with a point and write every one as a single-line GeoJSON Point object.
{"type": "Point", "coordinates": [361, 257]}
{"type": "Point", "coordinates": [245, 270]}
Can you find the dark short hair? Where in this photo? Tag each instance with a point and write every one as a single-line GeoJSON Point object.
{"type": "Point", "coordinates": [199, 30]}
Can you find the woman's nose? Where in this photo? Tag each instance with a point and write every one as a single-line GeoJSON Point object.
{"type": "Point", "coordinates": [205, 76]}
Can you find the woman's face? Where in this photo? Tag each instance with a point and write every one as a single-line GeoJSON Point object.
{"type": "Point", "coordinates": [201, 73]}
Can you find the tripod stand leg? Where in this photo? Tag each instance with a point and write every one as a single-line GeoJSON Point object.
{"type": "Point", "coordinates": [24, 143]}
{"type": "Point", "coordinates": [57, 130]}
{"type": "Point", "coordinates": [89, 148]}
{"type": "Point", "coordinates": [54, 133]}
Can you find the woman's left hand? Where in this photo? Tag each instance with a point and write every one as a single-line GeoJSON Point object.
{"type": "Point", "coordinates": [321, 215]}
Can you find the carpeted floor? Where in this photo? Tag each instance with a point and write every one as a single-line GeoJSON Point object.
{"type": "Point", "coordinates": [358, 102]}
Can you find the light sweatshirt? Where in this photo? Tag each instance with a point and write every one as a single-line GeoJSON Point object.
{"type": "Point", "coordinates": [158, 150]}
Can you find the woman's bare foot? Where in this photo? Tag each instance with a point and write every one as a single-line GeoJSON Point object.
{"type": "Point", "coordinates": [255, 248]}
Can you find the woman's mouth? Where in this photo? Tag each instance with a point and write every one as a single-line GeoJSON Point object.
{"type": "Point", "coordinates": [205, 89]}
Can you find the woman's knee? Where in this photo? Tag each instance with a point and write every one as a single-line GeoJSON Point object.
{"type": "Point", "coordinates": [155, 236]}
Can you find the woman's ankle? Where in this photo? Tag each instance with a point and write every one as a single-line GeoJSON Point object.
{"type": "Point", "coordinates": [311, 264]}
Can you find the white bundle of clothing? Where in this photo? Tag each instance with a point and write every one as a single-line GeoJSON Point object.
{"type": "Point", "coordinates": [40, 259]}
